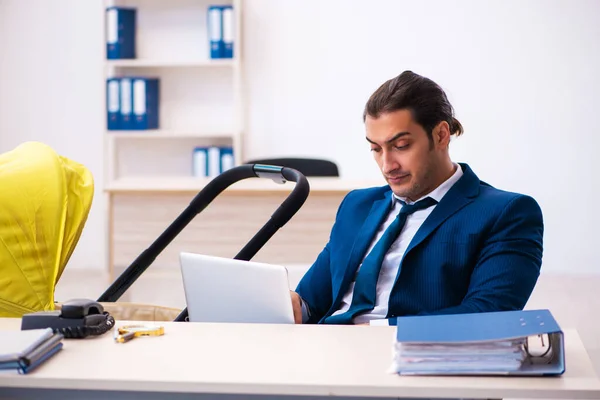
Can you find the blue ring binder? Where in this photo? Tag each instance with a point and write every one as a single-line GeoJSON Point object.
{"type": "Point", "coordinates": [516, 343]}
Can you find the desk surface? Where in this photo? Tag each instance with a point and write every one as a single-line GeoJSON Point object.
{"type": "Point", "coordinates": [278, 359]}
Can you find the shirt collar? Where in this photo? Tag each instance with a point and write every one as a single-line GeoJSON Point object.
{"type": "Point", "coordinates": [439, 191]}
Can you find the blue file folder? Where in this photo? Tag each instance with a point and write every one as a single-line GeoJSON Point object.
{"type": "Point", "coordinates": [227, 160]}
{"type": "Point", "coordinates": [227, 23]}
{"type": "Point", "coordinates": [146, 99]}
{"type": "Point", "coordinates": [126, 96]}
{"type": "Point", "coordinates": [215, 31]}
{"type": "Point", "coordinates": [211, 161]}
{"type": "Point", "coordinates": [200, 162]}
{"type": "Point", "coordinates": [113, 104]}
{"type": "Point", "coordinates": [214, 161]}
{"type": "Point", "coordinates": [120, 33]}
{"type": "Point", "coordinates": [446, 334]}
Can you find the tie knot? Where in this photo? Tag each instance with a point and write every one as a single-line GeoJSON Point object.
{"type": "Point", "coordinates": [419, 205]}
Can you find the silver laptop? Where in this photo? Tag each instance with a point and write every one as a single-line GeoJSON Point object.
{"type": "Point", "coordinates": [227, 290]}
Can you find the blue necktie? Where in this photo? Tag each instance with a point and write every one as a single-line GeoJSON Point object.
{"type": "Point", "coordinates": [365, 287]}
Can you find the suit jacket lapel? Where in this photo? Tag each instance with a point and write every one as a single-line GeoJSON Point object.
{"type": "Point", "coordinates": [375, 217]}
{"type": "Point", "coordinates": [461, 194]}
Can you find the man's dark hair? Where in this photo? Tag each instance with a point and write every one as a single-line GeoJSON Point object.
{"type": "Point", "coordinates": [424, 98]}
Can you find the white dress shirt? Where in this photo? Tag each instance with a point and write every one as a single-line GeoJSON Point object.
{"type": "Point", "coordinates": [392, 259]}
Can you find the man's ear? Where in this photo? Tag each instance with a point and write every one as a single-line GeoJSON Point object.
{"type": "Point", "coordinates": [441, 135]}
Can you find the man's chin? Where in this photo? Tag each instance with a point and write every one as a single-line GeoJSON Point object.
{"type": "Point", "coordinates": [404, 189]}
{"type": "Point", "coordinates": [400, 190]}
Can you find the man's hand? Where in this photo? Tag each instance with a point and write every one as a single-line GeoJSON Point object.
{"type": "Point", "coordinates": [297, 307]}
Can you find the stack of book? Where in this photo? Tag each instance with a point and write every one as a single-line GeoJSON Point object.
{"type": "Point", "coordinates": [24, 351]}
{"type": "Point", "coordinates": [497, 343]}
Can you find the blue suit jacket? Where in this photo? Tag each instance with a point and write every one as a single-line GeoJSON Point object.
{"type": "Point", "coordinates": [480, 250]}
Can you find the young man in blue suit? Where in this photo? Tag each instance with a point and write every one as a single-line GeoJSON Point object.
{"type": "Point", "coordinates": [435, 240]}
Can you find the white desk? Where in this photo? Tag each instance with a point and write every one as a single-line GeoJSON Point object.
{"type": "Point", "coordinates": [254, 361]}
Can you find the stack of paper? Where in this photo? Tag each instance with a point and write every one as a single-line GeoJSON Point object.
{"type": "Point", "coordinates": [26, 350]}
{"type": "Point", "coordinates": [460, 357]}
{"type": "Point", "coordinates": [478, 343]}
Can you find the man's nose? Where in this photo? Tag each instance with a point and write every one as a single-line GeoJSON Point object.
{"type": "Point", "coordinates": [389, 163]}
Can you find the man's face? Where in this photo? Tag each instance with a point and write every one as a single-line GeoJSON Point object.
{"type": "Point", "coordinates": [406, 156]}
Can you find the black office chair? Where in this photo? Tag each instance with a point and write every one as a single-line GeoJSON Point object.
{"type": "Point", "coordinates": [306, 166]}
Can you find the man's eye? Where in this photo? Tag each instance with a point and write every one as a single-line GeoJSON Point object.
{"type": "Point", "coordinates": [375, 149]}
{"type": "Point", "coordinates": [401, 147]}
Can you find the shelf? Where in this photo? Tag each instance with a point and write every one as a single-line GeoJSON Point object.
{"type": "Point", "coordinates": [168, 134]}
{"type": "Point", "coordinates": [201, 104]}
{"type": "Point", "coordinates": [184, 184]}
{"type": "Point", "coordinates": [146, 63]}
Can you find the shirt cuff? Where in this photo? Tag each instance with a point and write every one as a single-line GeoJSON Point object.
{"type": "Point", "coordinates": [379, 322]}
{"type": "Point", "coordinates": [305, 311]}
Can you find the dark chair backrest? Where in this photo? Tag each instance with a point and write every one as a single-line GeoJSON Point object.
{"type": "Point", "coordinates": [306, 166]}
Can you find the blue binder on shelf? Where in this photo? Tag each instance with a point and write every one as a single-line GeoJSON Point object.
{"type": "Point", "coordinates": [113, 104]}
{"type": "Point", "coordinates": [126, 96]}
{"type": "Point", "coordinates": [215, 31]}
{"type": "Point", "coordinates": [214, 161]}
{"type": "Point", "coordinates": [210, 161]}
{"type": "Point", "coordinates": [120, 33]}
{"type": "Point", "coordinates": [227, 23]}
{"type": "Point", "coordinates": [227, 160]}
{"type": "Point", "coordinates": [200, 162]}
{"type": "Point", "coordinates": [526, 342]}
{"type": "Point", "coordinates": [146, 100]}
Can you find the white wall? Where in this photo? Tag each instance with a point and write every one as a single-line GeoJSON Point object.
{"type": "Point", "coordinates": [522, 76]}
{"type": "Point", "coordinates": [51, 88]}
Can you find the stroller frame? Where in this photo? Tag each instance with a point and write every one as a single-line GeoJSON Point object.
{"type": "Point", "coordinates": [279, 218]}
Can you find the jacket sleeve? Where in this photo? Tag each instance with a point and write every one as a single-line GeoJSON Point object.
{"type": "Point", "coordinates": [509, 262]}
{"type": "Point", "coordinates": [315, 287]}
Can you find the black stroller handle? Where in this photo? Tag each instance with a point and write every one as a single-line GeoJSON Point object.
{"type": "Point", "coordinates": [279, 218]}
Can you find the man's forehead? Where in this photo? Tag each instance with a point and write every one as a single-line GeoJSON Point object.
{"type": "Point", "coordinates": [392, 116]}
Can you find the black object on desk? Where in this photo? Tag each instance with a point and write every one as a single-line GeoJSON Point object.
{"type": "Point", "coordinates": [77, 318]}
{"type": "Point", "coordinates": [279, 218]}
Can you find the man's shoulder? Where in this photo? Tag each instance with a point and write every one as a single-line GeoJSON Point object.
{"type": "Point", "coordinates": [368, 194]}
{"type": "Point", "coordinates": [501, 197]}
{"type": "Point", "coordinates": [363, 199]}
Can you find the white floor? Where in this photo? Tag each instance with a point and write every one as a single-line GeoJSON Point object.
{"type": "Point", "coordinates": [573, 299]}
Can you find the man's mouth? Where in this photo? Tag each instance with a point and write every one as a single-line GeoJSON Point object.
{"type": "Point", "coordinates": [398, 178]}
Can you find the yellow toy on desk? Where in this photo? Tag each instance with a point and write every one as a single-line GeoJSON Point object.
{"type": "Point", "coordinates": [126, 333]}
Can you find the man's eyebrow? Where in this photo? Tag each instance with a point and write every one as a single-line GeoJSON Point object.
{"type": "Point", "coordinates": [397, 136]}
{"type": "Point", "coordinates": [393, 138]}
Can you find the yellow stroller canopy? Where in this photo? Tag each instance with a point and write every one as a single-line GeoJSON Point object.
{"type": "Point", "coordinates": [45, 199]}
